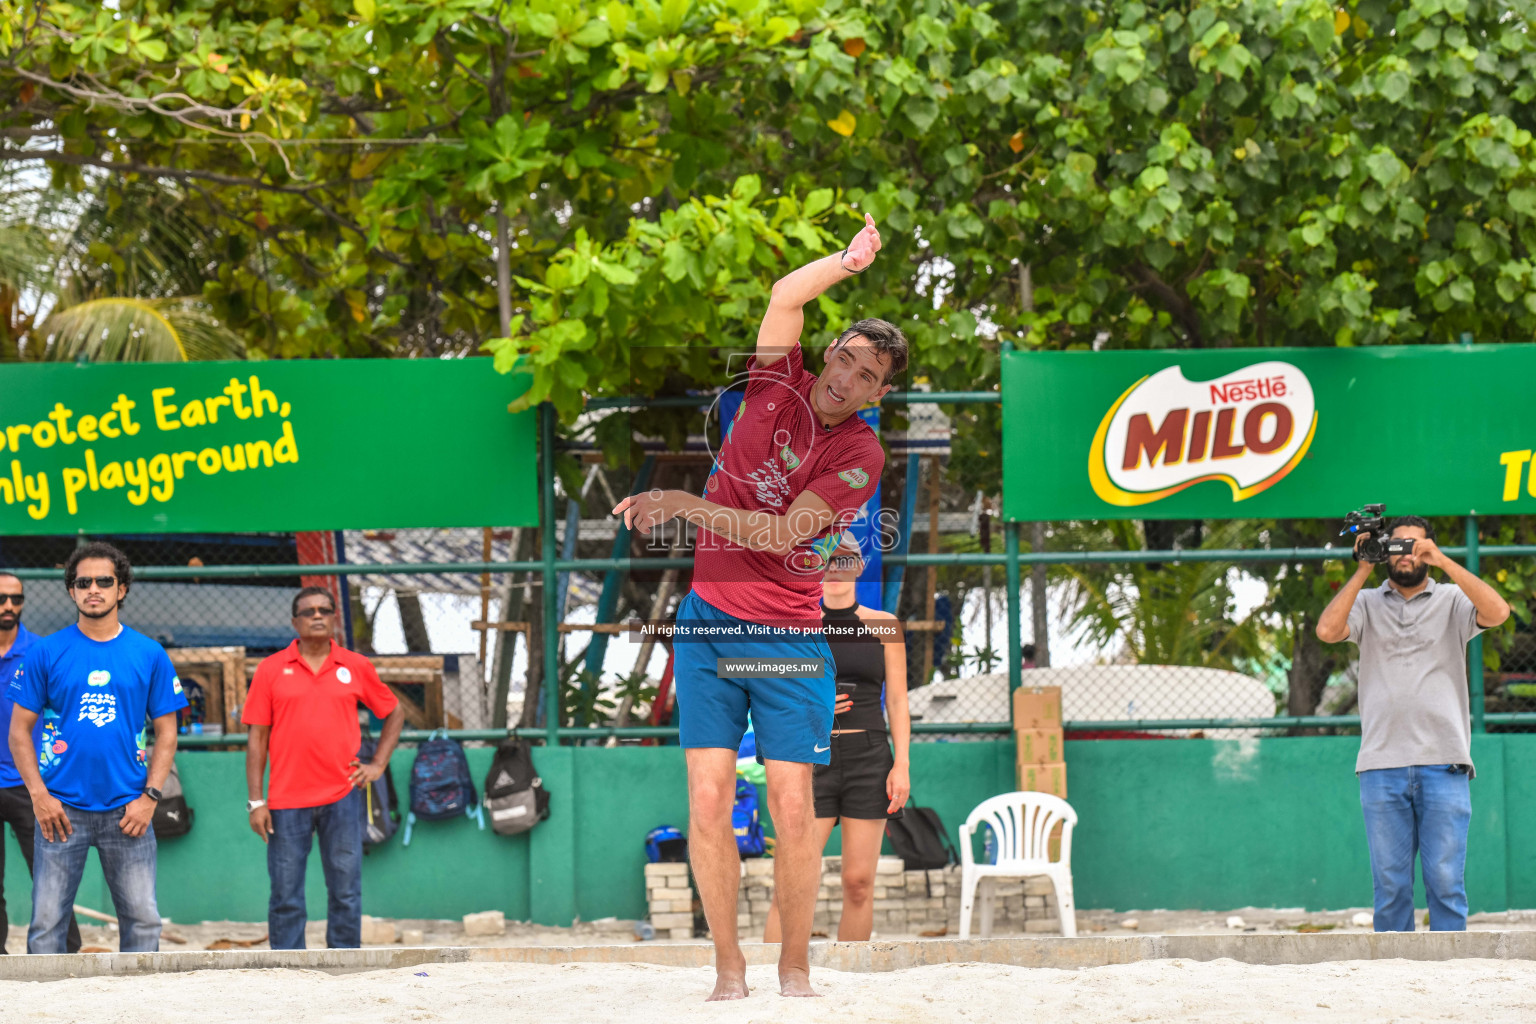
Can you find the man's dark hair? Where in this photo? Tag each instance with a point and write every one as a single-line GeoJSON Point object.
{"type": "Point", "coordinates": [100, 549]}
{"type": "Point", "coordinates": [1419, 521]}
{"type": "Point", "coordinates": [886, 339]}
{"type": "Point", "coordinates": [310, 592]}
{"type": "Point", "coordinates": [1028, 652]}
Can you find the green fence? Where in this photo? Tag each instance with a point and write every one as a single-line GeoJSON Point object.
{"type": "Point", "coordinates": [271, 581]}
{"type": "Point", "coordinates": [1210, 824]}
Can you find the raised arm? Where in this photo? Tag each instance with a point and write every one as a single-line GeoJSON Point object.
{"type": "Point", "coordinates": [785, 319]}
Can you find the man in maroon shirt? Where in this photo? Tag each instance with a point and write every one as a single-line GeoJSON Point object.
{"type": "Point", "coordinates": [795, 468]}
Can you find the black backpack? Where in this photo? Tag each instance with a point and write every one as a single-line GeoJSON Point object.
{"type": "Point", "coordinates": [514, 794]}
{"type": "Point", "coordinates": [920, 840]}
{"type": "Point", "coordinates": [172, 815]}
{"type": "Point", "coordinates": [381, 807]}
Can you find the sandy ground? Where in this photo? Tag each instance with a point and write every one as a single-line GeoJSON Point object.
{"type": "Point", "coordinates": [1223, 991]}
{"type": "Point", "coordinates": [252, 935]}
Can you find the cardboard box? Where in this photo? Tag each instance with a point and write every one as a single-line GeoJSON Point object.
{"type": "Point", "coordinates": [1044, 778]}
{"type": "Point", "coordinates": [1037, 707]}
{"type": "Point", "coordinates": [1038, 746]}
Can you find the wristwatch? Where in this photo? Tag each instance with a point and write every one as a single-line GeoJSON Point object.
{"type": "Point", "coordinates": [251, 805]}
{"type": "Point", "coordinates": [153, 793]}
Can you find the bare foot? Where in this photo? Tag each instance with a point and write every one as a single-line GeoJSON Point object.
{"type": "Point", "coordinates": [730, 983]}
{"type": "Point", "coordinates": [796, 981]}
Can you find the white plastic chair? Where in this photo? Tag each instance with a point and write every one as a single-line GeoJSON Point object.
{"type": "Point", "coordinates": [1021, 825]}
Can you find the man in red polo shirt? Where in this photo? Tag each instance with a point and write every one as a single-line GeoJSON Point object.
{"type": "Point", "coordinates": [302, 707]}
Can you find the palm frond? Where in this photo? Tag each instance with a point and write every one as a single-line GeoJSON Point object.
{"type": "Point", "coordinates": [116, 330]}
{"type": "Point", "coordinates": [26, 257]}
{"type": "Point", "coordinates": [135, 238]}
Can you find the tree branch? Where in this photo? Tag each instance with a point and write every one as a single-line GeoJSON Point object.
{"type": "Point", "coordinates": [1144, 279]}
{"type": "Point", "coordinates": [134, 167]}
{"type": "Point", "coordinates": [188, 115]}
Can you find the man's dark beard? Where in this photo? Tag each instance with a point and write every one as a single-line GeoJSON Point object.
{"type": "Point", "coordinates": [8, 621]}
{"type": "Point", "coordinates": [1409, 579]}
{"type": "Point", "coordinates": [101, 614]}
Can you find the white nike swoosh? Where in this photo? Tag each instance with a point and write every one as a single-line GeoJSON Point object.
{"type": "Point", "coordinates": [821, 750]}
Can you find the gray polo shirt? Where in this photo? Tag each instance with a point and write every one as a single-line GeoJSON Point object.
{"type": "Point", "coordinates": [1413, 675]}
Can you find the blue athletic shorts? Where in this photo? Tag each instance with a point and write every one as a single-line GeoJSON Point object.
{"type": "Point", "coordinates": [791, 717]}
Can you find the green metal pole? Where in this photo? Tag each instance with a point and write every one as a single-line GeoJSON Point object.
{"type": "Point", "coordinates": [1011, 557]}
{"type": "Point", "coordinates": [1015, 650]}
{"type": "Point", "coordinates": [551, 604]}
{"type": "Point", "coordinates": [1475, 648]}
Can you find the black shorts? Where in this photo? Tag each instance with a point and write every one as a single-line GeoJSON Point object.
{"type": "Point", "coordinates": [853, 785]}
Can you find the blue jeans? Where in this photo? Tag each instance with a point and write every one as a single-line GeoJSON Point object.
{"type": "Point", "coordinates": [1423, 809]}
{"type": "Point", "coordinates": [340, 828]}
{"type": "Point", "coordinates": [128, 864]}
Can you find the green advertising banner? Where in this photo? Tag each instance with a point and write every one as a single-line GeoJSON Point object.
{"type": "Point", "coordinates": [281, 445]}
{"type": "Point", "coordinates": [1269, 433]}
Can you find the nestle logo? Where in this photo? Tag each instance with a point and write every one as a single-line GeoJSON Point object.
{"type": "Point", "coordinates": [1248, 429]}
{"type": "Point", "coordinates": [1248, 390]}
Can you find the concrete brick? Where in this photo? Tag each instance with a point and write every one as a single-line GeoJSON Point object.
{"type": "Point", "coordinates": [890, 866]}
{"type": "Point", "coordinates": [680, 906]}
{"type": "Point", "coordinates": [832, 864]}
{"type": "Point", "coordinates": [757, 867]}
{"type": "Point", "coordinates": [680, 933]}
{"type": "Point", "coordinates": [679, 881]}
{"type": "Point", "coordinates": [880, 892]}
{"type": "Point", "coordinates": [413, 937]}
{"type": "Point", "coordinates": [659, 906]}
{"type": "Point", "coordinates": [1043, 924]}
{"type": "Point", "coordinates": [488, 922]}
{"type": "Point", "coordinates": [376, 931]}
{"type": "Point", "coordinates": [1034, 901]}
{"type": "Point", "coordinates": [673, 921]}
{"type": "Point", "coordinates": [1038, 885]}
{"type": "Point", "coordinates": [668, 870]}
{"type": "Point", "coordinates": [743, 921]}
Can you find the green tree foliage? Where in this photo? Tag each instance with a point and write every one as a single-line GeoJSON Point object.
{"type": "Point", "coordinates": [1189, 173]}
{"type": "Point", "coordinates": [110, 274]}
{"type": "Point", "coordinates": [1177, 174]}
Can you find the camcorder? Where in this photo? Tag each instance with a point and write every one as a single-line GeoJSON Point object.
{"type": "Point", "coordinates": [1371, 523]}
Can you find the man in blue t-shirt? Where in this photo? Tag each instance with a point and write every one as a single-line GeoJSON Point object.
{"type": "Point", "coordinates": [15, 804]}
{"type": "Point", "coordinates": [92, 780]}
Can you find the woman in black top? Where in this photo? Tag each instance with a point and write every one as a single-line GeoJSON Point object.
{"type": "Point", "coordinates": [864, 785]}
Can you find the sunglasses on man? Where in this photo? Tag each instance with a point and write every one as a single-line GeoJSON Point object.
{"type": "Point", "coordinates": [104, 582]}
{"type": "Point", "coordinates": [16, 599]}
{"type": "Point", "coordinates": [310, 613]}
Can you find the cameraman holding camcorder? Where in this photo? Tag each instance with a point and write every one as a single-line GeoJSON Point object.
{"type": "Point", "coordinates": [1415, 725]}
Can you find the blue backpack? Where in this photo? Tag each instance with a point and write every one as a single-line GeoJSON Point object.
{"type": "Point", "coordinates": [745, 823]}
{"type": "Point", "coordinates": [441, 787]}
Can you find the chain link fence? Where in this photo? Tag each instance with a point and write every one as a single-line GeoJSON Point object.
{"type": "Point", "coordinates": [455, 644]}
